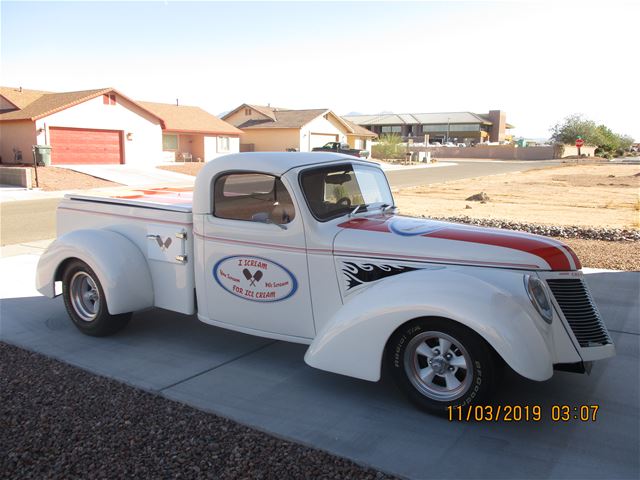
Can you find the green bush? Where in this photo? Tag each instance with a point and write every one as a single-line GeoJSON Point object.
{"type": "Point", "coordinates": [389, 148]}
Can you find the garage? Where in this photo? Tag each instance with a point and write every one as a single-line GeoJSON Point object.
{"type": "Point", "coordinates": [85, 146]}
{"type": "Point", "coordinates": [319, 139]}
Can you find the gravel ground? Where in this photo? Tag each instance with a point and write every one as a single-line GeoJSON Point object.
{"type": "Point", "coordinates": [188, 168]}
{"type": "Point", "coordinates": [600, 254]}
{"type": "Point", "coordinates": [52, 178]}
{"type": "Point", "coordinates": [57, 421]}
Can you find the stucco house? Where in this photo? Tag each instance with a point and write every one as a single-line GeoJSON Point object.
{"type": "Point", "coordinates": [271, 129]}
{"type": "Point", "coordinates": [190, 133]}
{"type": "Point", "coordinates": [106, 126]}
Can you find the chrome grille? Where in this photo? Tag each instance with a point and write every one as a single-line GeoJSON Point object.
{"type": "Point", "coordinates": [578, 308]}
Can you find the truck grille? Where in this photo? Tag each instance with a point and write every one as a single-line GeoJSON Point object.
{"type": "Point", "coordinates": [578, 308]}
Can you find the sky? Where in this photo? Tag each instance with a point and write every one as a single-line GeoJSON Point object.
{"type": "Point", "coordinates": [538, 61]}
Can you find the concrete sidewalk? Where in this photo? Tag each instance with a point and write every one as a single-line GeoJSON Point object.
{"type": "Point", "coordinates": [133, 176]}
{"type": "Point", "coordinates": [266, 384]}
{"type": "Point", "coordinates": [390, 167]}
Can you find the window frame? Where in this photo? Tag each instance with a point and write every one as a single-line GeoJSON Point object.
{"type": "Point", "coordinates": [177, 137]}
{"type": "Point", "coordinates": [212, 209]}
{"type": "Point", "coordinates": [338, 166]}
{"type": "Point", "coordinates": [218, 143]}
{"type": "Point", "coordinates": [109, 99]}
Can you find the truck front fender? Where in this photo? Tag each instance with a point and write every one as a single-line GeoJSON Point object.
{"type": "Point", "coordinates": [119, 264]}
{"type": "Point", "coordinates": [491, 302]}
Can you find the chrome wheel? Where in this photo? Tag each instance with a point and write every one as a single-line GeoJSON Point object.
{"type": "Point", "coordinates": [85, 296]}
{"type": "Point", "coordinates": [438, 366]}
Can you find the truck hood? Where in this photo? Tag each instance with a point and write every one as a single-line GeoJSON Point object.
{"type": "Point", "coordinates": [423, 240]}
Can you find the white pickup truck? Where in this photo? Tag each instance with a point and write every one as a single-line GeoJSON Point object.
{"type": "Point", "coordinates": [308, 248]}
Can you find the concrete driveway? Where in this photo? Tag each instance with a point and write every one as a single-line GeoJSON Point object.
{"type": "Point", "coordinates": [266, 384]}
{"type": "Point", "coordinates": [133, 176]}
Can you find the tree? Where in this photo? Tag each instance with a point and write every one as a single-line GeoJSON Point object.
{"type": "Point", "coordinates": [574, 126]}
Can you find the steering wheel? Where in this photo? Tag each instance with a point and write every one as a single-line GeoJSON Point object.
{"type": "Point", "coordinates": [344, 202]}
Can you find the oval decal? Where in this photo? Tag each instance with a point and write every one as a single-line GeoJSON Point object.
{"type": "Point", "coordinates": [409, 227]}
{"type": "Point", "coordinates": [255, 278]}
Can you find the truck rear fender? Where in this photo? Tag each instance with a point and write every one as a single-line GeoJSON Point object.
{"type": "Point", "coordinates": [353, 341]}
{"type": "Point", "coordinates": [120, 266]}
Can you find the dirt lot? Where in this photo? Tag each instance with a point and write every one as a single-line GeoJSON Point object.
{"type": "Point", "coordinates": [596, 195]}
{"type": "Point", "coordinates": [53, 178]}
{"type": "Point", "coordinates": [189, 168]}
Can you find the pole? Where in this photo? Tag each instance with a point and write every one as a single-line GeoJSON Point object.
{"type": "Point", "coordinates": [35, 165]}
{"type": "Point", "coordinates": [448, 128]}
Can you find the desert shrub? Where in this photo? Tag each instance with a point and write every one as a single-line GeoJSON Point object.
{"type": "Point", "coordinates": [389, 147]}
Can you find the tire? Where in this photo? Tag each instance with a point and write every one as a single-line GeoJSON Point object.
{"type": "Point", "coordinates": [86, 303]}
{"type": "Point", "coordinates": [464, 374]}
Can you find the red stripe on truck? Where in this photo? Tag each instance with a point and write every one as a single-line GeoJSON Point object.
{"type": "Point", "coordinates": [555, 253]}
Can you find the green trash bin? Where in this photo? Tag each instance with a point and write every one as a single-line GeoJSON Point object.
{"type": "Point", "coordinates": [42, 155]}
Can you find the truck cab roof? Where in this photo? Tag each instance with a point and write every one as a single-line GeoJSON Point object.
{"type": "Point", "coordinates": [185, 199]}
{"type": "Point", "coordinates": [274, 163]}
{"type": "Point", "coordinates": [271, 163]}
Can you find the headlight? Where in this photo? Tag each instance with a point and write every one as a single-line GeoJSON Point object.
{"type": "Point", "coordinates": [539, 298]}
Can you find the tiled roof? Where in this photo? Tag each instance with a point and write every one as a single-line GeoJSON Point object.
{"type": "Point", "coordinates": [422, 118]}
{"type": "Point", "coordinates": [287, 118]}
{"type": "Point", "coordinates": [183, 118]}
{"type": "Point", "coordinates": [49, 103]}
{"type": "Point", "coordinates": [21, 97]}
{"type": "Point", "coordinates": [266, 111]}
{"type": "Point", "coordinates": [284, 119]}
{"type": "Point", "coordinates": [358, 130]}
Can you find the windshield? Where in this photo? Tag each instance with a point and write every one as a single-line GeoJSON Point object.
{"type": "Point", "coordinates": [335, 190]}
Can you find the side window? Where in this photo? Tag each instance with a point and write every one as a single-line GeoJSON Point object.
{"type": "Point", "coordinates": [252, 197]}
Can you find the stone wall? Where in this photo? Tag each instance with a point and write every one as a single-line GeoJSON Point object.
{"type": "Point", "coordinates": [494, 152]}
{"type": "Point", "coordinates": [17, 176]}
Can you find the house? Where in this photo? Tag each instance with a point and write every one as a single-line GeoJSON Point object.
{"type": "Point", "coordinates": [459, 127]}
{"type": "Point", "coordinates": [106, 126]}
{"type": "Point", "coordinates": [360, 137]}
{"type": "Point", "coordinates": [190, 133]}
{"type": "Point", "coordinates": [271, 129]}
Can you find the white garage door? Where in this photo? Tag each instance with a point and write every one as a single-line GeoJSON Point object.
{"type": "Point", "coordinates": [319, 139]}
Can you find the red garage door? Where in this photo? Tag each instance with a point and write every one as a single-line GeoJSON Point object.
{"type": "Point", "coordinates": [84, 146]}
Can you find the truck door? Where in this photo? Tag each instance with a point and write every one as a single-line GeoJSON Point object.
{"type": "Point", "coordinates": [255, 257]}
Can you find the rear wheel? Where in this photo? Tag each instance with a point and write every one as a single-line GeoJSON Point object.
{"type": "Point", "coordinates": [86, 303]}
{"type": "Point", "coordinates": [438, 364]}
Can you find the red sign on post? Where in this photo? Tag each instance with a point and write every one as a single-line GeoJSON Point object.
{"type": "Point", "coordinates": [579, 142]}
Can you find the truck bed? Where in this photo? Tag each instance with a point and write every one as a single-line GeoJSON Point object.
{"type": "Point", "coordinates": [175, 199]}
{"type": "Point", "coordinates": [158, 221]}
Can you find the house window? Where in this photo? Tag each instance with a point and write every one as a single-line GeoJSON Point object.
{"type": "Point", "coordinates": [391, 129]}
{"type": "Point", "coordinates": [435, 127]}
{"type": "Point", "coordinates": [169, 142]}
{"type": "Point", "coordinates": [252, 197]}
{"type": "Point", "coordinates": [223, 144]}
{"type": "Point", "coordinates": [247, 111]}
{"type": "Point", "coordinates": [109, 98]}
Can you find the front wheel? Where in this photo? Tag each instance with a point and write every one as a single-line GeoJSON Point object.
{"type": "Point", "coordinates": [438, 364]}
{"type": "Point", "coordinates": [86, 303]}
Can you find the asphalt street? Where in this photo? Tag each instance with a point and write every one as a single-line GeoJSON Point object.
{"type": "Point", "coordinates": [462, 169]}
{"type": "Point", "coordinates": [29, 220]}
{"type": "Point", "coordinates": [265, 384]}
